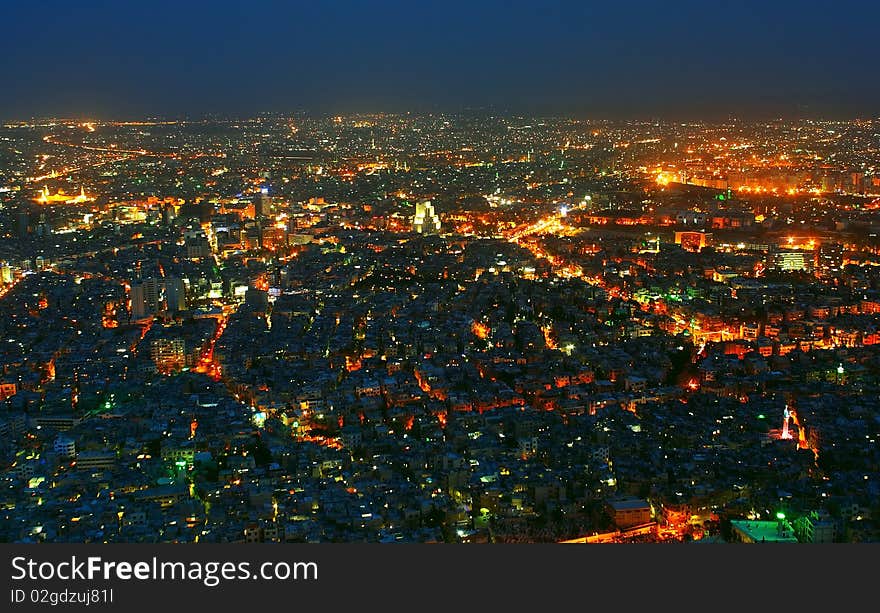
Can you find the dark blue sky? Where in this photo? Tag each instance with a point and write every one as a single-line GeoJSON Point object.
{"type": "Point", "coordinates": [678, 59]}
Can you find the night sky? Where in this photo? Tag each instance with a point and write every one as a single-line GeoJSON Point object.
{"type": "Point", "coordinates": [639, 59]}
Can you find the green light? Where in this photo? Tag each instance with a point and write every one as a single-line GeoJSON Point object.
{"type": "Point", "coordinates": [761, 416]}
{"type": "Point", "coordinates": [780, 516]}
{"type": "Point", "coordinates": [180, 463]}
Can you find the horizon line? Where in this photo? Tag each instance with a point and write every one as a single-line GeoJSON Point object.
{"type": "Point", "coordinates": [185, 117]}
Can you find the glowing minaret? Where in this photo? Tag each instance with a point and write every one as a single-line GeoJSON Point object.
{"type": "Point", "coordinates": [791, 415]}
{"type": "Point", "coordinates": [82, 195]}
{"type": "Point", "coordinates": [785, 433]}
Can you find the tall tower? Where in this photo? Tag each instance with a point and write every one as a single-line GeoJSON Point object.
{"type": "Point", "coordinates": [829, 259]}
{"type": "Point", "coordinates": [263, 203]}
{"type": "Point", "coordinates": [145, 298]}
{"type": "Point", "coordinates": [23, 221]}
{"type": "Point", "coordinates": [426, 220]}
{"type": "Point", "coordinates": [175, 294]}
{"type": "Point", "coordinates": [138, 304]}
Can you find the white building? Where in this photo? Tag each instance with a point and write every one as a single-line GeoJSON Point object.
{"type": "Point", "coordinates": [65, 447]}
{"type": "Point", "coordinates": [426, 220]}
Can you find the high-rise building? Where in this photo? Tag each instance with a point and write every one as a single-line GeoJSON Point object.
{"type": "Point", "coordinates": [829, 260]}
{"type": "Point", "coordinates": [175, 294]}
{"type": "Point", "coordinates": [263, 206]}
{"type": "Point", "coordinates": [426, 220]}
{"type": "Point", "coordinates": [145, 298]}
{"type": "Point", "coordinates": [23, 221]}
{"type": "Point", "coordinates": [167, 214]}
{"type": "Point", "coordinates": [138, 301]}
{"type": "Point", "coordinates": [44, 228]}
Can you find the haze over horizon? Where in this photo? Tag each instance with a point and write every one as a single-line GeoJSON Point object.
{"type": "Point", "coordinates": [634, 60]}
{"type": "Point", "coordinates": [432, 272]}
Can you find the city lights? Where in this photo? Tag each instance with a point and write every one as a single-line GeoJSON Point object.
{"type": "Point", "coordinates": [372, 325]}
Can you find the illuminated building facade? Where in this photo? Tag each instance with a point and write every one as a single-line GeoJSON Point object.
{"type": "Point", "coordinates": [830, 259]}
{"type": "Point", "coordinates": [263, 206]}
{"type": "Point", "coordinates": [692, 241]}
{"type": "Point", "coordinates": [5, 273]}
{"type": "Point", "coordinates": [426, 220]}
{"type": "Point", "coordinates": [61, 197]}
{"type": "Point", "coordinates": [168, 354]}
{"type": "Point", "coordinates": [629, 512]}
{"type": "Point", "coordinates": [755, 531]}
{"type": "Point", "coordinates": [815, 527]}
{"type": "Point", "coordinates": [790, 260]}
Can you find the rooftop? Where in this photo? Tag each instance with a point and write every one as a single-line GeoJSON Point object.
{"type": "Point", "coordinates": [765, 531]}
